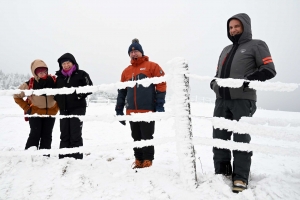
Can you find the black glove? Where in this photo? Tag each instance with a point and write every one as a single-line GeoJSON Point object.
{"type": "Point", "coordinates": [246, 84]}
{"type": "Point", "coordinates": [123, 122]}
{"type": "Point", "coordinates": [119, 111]}
{"type": "Point", "coordinates": [262, 75]}
{"type": "Point", "coordinates": [212, 83]}
{"type": "Point", "coordinates": [160, 105]}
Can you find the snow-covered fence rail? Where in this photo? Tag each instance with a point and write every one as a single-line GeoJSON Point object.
{"type": "Point", "coordinates": [86, 89]}
{"type": "Point", "coordinates": [228, 82]}
{"type": "Point", "coordinates": [276, 122]}
{"type": "Point", "coordinates": [257, 85]}
{"type": "Point", "coordinates": [288, 130]}
{"type": "Point", "coordinates": [283, 133]}
{"type": "Point", "coordinates": [135, 117]}
{"type": "Point", "coordinates": [202, 99]}
{"type": "Point", "coordinates": [227, 144]}
{"type": "Point", "coordinates": [107, 101]}
{"type": "Point", "coordinates": [89, 149]}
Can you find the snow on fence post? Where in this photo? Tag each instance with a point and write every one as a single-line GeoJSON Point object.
{"type": "Point", "coordinates": [183, 123]}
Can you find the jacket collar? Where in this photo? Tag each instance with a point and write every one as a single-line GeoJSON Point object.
{"type": "Point", "coordinates": [140, 60]}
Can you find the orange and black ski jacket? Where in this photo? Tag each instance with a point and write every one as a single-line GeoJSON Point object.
{"type": "Point", "coordinates": [140, 99]}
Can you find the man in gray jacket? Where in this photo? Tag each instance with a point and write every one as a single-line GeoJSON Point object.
{"type": "Point", "coordinates": [248, 59]}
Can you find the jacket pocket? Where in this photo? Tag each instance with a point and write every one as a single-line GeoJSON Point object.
{"type": "Point", "coordinates": [252, 108]}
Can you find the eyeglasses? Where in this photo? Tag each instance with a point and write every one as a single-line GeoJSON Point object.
{"type": "Point", "coordinates": [65, 63]}
{"type": "Point", "coordinates": [42, 73]}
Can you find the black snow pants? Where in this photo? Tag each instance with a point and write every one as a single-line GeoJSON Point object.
{"type": "Point", "coordinates": [143, 131]}
{"type": "Point", "coordinates": [71, 131]}
{"type": "Point", "coordinates": [40, 132]}
{"type": "Point", "coordinates": [233, 110]}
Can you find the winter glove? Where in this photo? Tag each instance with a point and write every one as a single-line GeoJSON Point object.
{"type": "Point", "coordinates": [262, 75]}
{"type": "Point", "coordinates": [160, 108]}
{"type": "Point", "coordinates": [119, 111]}
{"type": "Point", "coordinates": [212, 83]}
{"type": "Point", "coordinates": [246, 84]}
{"type": "Point", "coordinates": [123, 122]}
{"type": "Point", "coordinates": [160, 105]}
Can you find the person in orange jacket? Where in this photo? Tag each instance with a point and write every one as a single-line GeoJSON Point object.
{"type": "Point", "coordinates": [140, 99]}
{"type": "Point", "coordinates": [41, 128]}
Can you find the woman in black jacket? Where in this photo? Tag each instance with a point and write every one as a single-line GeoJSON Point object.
{"type": "Point", "coordinates": [69, 75]}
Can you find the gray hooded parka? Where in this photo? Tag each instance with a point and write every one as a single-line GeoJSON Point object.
{"type": "Point", "coordinates": [247, 59]}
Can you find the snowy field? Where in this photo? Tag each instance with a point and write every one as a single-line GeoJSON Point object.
{"type": "Point", "coordinates": [105, 172]}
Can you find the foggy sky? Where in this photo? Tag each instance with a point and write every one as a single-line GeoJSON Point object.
{"type": "Point", "coordinates": [98, 34]}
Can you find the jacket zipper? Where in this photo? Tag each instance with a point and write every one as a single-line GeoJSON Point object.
{"type": "Point", "coordinates": [46, 105]}
{"type": "Point", "coordinates": [250, 114]}
{"type": "Point", "coordinates": [134, 93]}
{"type": "Point", "coordinates": [229, 58]}
{"type": "Point", "coordinates": [65, 96]}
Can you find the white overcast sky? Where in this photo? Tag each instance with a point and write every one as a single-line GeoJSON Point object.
{"type": "Point", "coordinates": [98, 34]}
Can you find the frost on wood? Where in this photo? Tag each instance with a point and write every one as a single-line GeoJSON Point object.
{"type": "Point", "coordinates": [183, 124]}
{"type": "Point", "coordinates": [86, 89]}
{"type": "Point", "coordinates": [280, 133]}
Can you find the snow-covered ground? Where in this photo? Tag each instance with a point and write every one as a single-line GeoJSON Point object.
{"type": "Point", "coordinates": [105, 172]}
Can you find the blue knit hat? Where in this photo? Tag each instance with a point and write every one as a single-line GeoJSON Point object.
{"type": "Point", "coordinates": [135, 46]}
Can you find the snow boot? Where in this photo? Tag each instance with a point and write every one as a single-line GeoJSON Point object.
{"type": "Point", "coordinates": [137, 164]}
{"type": "Point", "coordinates": [238, 186]}
{"type": "Point", "coordinates": [147, 163]}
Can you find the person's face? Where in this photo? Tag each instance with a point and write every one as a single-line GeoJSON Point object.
{"type": "Point", "coordinates": [42, 74]}
{"type": "Point", "coordinates": [235, 27]}
{"type": "Point", "coordinates": [134, 54]}
{"type": "Point", "coordinates": [67, 65]}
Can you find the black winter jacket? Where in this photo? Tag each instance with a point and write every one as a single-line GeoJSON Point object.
{"type": "Point", "coordinates": [78, 78]}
